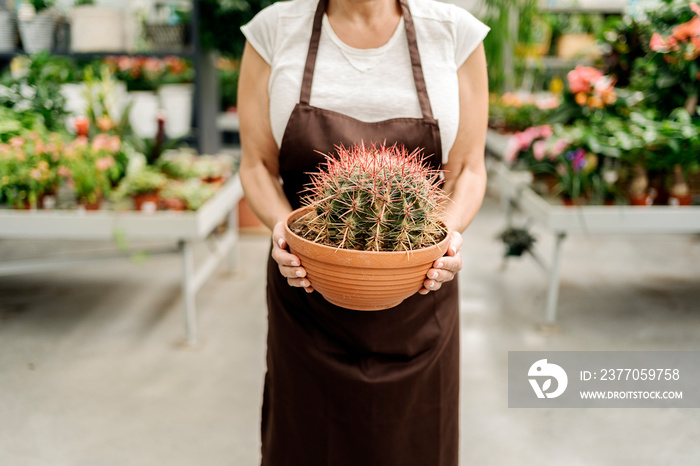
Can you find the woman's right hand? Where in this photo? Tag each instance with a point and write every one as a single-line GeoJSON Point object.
{"type": "Point", "coordinates": [289, 264]}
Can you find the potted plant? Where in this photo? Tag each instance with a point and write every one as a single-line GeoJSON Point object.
{"type": "Point", "coordinates": [37, 23]}
{"type": "Point", "coordinates": [142, 76]}
{"type": "Point", "coordinates": [177, 165]}
{"type": "Point", "coordinates": [143, 187]}
{"type": "Point", "coordinates": [212, 168]}
{"type": "Point", "coordinates": [91, 168]}
{"type": "Point", "coordinates": [96, 28]}
{"type": "Point", "coordinates": [32, 85]}
{"type": "Point", "coordinates": [175, 94]}
{"type": "Point", "coordinates": [24, 176]}
{"type": "Point", "coordinates": [370, 227]}
{"type": "Point", "coordinates": [186, 195]}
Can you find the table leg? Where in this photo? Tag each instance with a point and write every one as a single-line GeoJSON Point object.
{"type": "Point", "coordinates": [553, 291]}
{"type": "Point", "coordinates": [188, 292]}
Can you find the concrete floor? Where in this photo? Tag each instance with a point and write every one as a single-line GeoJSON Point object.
{"type": "Point", "coordinates": [90, 372]}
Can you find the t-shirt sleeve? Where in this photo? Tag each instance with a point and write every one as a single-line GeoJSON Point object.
{"type": "Point", "coordinates": [469, 32]}
{"type": "Point", "coordinates": [261, 32]}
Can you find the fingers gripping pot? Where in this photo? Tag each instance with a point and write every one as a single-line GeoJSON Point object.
{"type": "Point", "coordinates": [370, 227]}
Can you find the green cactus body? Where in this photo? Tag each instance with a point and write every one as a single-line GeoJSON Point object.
{"type": "Point", "coordinates": [374, 198]}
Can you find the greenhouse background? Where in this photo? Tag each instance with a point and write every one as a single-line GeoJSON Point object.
{"type": "Point", "coordinates": [132, 271]}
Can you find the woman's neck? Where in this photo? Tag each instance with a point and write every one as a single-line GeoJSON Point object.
{"type": "Point", "coordinates": [364, 23]}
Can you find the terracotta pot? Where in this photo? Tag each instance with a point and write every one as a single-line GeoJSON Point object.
{"type": "Point", "coordinates": [213, 179]}
{"type": "Point", "coordinates": [567, 201]}
{"type": "Point", "coordinates": [146, 201]}
{"type": "Point", "coordinates": [25, 205]}
{"type": "Point", "coordinates": [91, 205]}
{"type": "Point", "coordinates": [362, 280]}
{"type": "Point", "coordinates": [680, 200]}
{"type": "Point", "coordinates": [641, 199]}
{"type": "Point", "coordinates": [174, 203]}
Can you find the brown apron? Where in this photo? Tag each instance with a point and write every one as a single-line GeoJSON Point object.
{"type": "Point", "coordinates": [354, 388]}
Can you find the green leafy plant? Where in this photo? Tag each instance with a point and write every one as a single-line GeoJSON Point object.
{"type": "Point", "coordinates": [193, 192]}
{"type": "Point", "coordinates": [32, 84]}
{"type": "Point", "coordinates": [374, 199]}
{"type": "Point", "coordinates": [147, 180]}
{"type": "Point", "coordinates": [25, 170]}
{"type": "Point", "coordinates": [216, 18]}
{"type": "Point", "coordinates": [40, 5]}
{"type": "Point", "coordinates": [84, 2]}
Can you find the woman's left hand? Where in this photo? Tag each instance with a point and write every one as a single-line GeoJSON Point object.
{"type": "Point", "coordinates": [445, 268]}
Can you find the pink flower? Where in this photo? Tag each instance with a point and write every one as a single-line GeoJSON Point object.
{"type": "Point", "coordinates": [512, 150]}
{"type": "Point", "coordinates": [153, 65]}
{"type": "Point", "coordinates": [558, 147]}
{"type": "Point", "coordinates": [17, 141]}
{"type": "Point", "coordinates": [106, 142]}
{"type": "Point", "coordinates": [658, 43]}
{"type": "Point", "coordinates": [539, 149]}
{"type": "Point", "coordinates": [125, 63]}
{"type": "Point", "coordinates": [546, 131]}
{"type": "Point", "coordinates": [581, 77]}
{"type": "Point", "coordinates": [63, 171]}
{"type": "Point", "coordinates": [603, 84]}
{"type": "Point", "coordinates": [526, 137]}
{"type": "Point", "coordinates": [696, 9]}
{"type": "Point", "coordinates": [104, 163]}
{"type": "Point", "coordinates": [35, 173]}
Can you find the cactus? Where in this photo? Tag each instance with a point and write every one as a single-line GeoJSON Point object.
{"type": "Point", "coordinates": [374, 198]}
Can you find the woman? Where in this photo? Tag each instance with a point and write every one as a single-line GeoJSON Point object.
{"type": "Point", "coordinates": [349, 387]}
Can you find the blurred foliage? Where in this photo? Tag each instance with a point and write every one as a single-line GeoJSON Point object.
{"type": "Point", "coordinates": [220, 22]}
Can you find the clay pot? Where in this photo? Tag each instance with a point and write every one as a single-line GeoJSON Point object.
{"type": "Point", "coordinates": [91, 205]}
{"type": "Point", "coordinates": [146, 201]}
{"type": "Point", "coordinates": [641, 199]}
{"type": "Point", "coordinates": [678, 200]}
{"type": "Point", "coordinates": [362, 280]}
{"type": "Point", "coordinates": [174, 203]}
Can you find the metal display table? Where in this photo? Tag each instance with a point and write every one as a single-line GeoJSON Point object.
{"type": "Point", "coordinates": [592, 220]}
{"type": "Point", "coordinates": [185, 228]}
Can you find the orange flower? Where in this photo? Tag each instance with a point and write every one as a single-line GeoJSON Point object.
{"type": "Point", "coordinates": [687, 30]}
{"type": "Point", "coordinates": [609, 97]}
{"type": "Point", "coordinates": [581, 98]}
{"type": "Point", "coordinates": [104, 123]}
{"type": "Point", "coordinates": [595, 102]}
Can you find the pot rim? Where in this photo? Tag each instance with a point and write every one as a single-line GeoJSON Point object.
{"type": "Point", "coordinates": [353, 254]}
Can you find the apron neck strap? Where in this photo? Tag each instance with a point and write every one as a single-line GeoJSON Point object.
{"type": "Point", "coordinates": [416, 66]}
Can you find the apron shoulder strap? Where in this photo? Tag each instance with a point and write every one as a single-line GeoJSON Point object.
{"type": "Point", "coordinates": [311, 55]}
{"type": "Point", "coordinates": [418, 78]}
{"type": "Point", "coordinates": [416, 66]}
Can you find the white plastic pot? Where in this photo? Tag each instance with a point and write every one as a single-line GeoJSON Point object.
{"type": "Point", "coordinates": [143, 116]}
{"type": "Point", "coordinates": [37, 33]}
{"type": "Point", "coordinates": [8, 34]}
{"type": "Point", "coordinates": [97, 29]}
{"type": "Point", "coordinates": [176, 101]}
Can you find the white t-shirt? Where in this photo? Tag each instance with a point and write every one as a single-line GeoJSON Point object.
{"type": "Point", "coordinates": [367, 84]}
